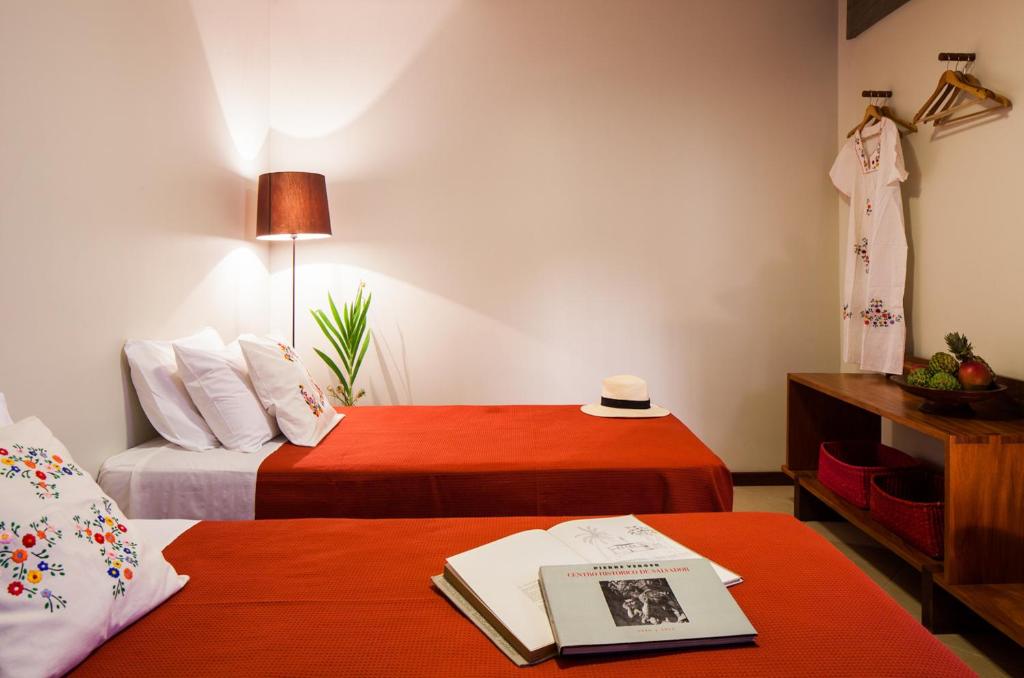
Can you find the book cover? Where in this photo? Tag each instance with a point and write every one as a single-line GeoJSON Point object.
{"type": "Point", "coordinates": [629, 606]}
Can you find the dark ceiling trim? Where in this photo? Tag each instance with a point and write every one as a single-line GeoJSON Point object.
{"type": "Point", "coordinates": [863, 14]}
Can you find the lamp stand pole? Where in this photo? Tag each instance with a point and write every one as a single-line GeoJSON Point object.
{"type": "Point", "coordinates": [294, 238]}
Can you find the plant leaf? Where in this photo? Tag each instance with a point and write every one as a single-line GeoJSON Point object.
{"type": "Point", "coordinates": [334, 367]}
{"type": "Point", "coordinates": [359, 360]}
{"type": "Point", "coordinates": [338, 340]}
{"type": "Point", "coordinates": [334, 312]}
{"type": "Point", "coordinates": [323, 321]}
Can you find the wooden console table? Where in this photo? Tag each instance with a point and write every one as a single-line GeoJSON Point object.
{"type": "Point", "coordinates": [983, 566]}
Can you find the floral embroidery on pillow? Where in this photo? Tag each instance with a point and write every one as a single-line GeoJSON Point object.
{"type": "Point", "coordinates": [288, 352]}
{"type": "Point", "coordinates": [37, 466]}
{"type": "Point", "coordinates": [316, 404]}
{"type": "Point", "coordinates": [27, 555]}
{"type": "Point", "coordinates": [108, 531]}
{"type": "Point", "coordinates": [876, 315]}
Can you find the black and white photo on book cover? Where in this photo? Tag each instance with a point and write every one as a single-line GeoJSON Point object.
{"type": "Point", "coordinates": [642, 602]}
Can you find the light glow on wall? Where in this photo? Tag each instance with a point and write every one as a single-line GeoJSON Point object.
{"type": "Point", "coordinates": [306, 68]}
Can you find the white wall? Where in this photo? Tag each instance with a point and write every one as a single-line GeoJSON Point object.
{"type": "Point", "coordinates": [123, 211]}
{"type": "Point", "coordinates": [541, 193]}
{"type": "Point", "coordinates": [962, 196]}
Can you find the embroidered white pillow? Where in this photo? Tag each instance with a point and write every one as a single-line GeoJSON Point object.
{"type": "Point", "coordinates": [218, 381]}
{"type": "Point", "coordinates": [162, 393]}
{"type": "Point", "coordinates": [5, 416]}
{"type": "Point", "coordinates": [287, 390]}
{"type": "Point", "coordinates": [72, 573]}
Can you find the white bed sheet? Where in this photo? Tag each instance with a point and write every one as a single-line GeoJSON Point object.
{"type": "Point", "coordinates": [161, 480]}
{"type": "Point", "coordinates": [160, 532]}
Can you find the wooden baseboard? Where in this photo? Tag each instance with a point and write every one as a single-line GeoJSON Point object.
{"type": "Point", "coordinates": [747, 478]}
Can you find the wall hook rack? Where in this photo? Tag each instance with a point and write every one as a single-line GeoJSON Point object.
{"type": "Point", "coordinates": [877, 94]}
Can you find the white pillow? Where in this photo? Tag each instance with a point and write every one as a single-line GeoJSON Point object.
{"type": "Point", "coordinates": [162, 393]}
{"type": "Point", "coordinates": [72, 573]}
{"type": "Point", "coordinates": [218, 381]}
{"type": "Point", "coordinates": [288, 391]}
{"type": "Point", "coordinates": [5, 417]}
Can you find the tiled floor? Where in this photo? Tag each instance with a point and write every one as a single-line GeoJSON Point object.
{"type": "Point", "coordinates": [988, 653]}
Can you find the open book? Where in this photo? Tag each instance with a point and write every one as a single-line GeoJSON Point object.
{"type": "Point", "coordinates": [501, 579]}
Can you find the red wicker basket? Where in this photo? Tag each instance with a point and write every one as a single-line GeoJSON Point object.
{"type": "Point", "coordinates": [911, 504]}
{"type": "Point", "coordinates": [846, 467]}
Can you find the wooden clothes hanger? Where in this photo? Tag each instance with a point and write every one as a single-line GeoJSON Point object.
{"type": "Point", "coordinates": [875, 114]}
{"type": "Point", "coordinates": [956, 86]}
{"type": "Point", "coordinates": [1000, 102]}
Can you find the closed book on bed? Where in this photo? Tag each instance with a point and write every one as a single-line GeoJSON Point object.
{"type": "Point", "coordinates": [644, 605]}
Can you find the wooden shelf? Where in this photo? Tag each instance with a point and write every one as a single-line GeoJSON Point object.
{"type": "Point", "coordinates": [876, 394]}
{"type": "Point", "coordinates": [863, 520]}
{"type": "Point", "coordinates": [1002, 605]}
{"type": "Point", "coordinates": [983, 566]}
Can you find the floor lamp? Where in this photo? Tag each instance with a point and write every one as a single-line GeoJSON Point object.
{"type": "Point", "coordinates": [292, 206]}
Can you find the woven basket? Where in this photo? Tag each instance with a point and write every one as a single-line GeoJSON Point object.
{"type": "Point", "coordinates": [846, 467]}
{"type": "Point", "coordinates": [911, 504]}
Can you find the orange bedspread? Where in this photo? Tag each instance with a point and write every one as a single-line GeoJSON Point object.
{"type": "Point", "coordinates": [413, 462]}
{"type": "Point", "coordinates": [353, 598]}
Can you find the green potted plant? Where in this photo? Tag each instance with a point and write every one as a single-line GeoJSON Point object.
{"type": "Point", "coordinates": [350, 338]}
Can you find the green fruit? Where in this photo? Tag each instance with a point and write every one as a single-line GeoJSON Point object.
{"type": "Point", "coordinates": [943, 381]}
{"type": "Point", "coordinates": [920, 377]}
{"type": "Point", "coordinates": [943, 362]}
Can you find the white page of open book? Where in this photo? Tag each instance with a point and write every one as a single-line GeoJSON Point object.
{"type": "Point", "coordinates": [504, 574]}
{"type": "Point", "coordinates": [614, 540]}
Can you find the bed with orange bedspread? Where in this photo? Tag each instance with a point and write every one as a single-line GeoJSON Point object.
{"type": "Point", "coordinates": [353, 598]}
{"type": "Point", "coordinates": [424, 461]}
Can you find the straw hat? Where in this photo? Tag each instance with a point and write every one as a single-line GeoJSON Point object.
{"type": "Point", "coordinates": [625, 396]}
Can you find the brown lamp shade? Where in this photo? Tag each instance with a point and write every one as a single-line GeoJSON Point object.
{"type": "Point", "coordinates": [292, 206]}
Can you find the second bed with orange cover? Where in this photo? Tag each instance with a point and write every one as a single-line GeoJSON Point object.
{"type": "Point", "coordinates": [445, 461]}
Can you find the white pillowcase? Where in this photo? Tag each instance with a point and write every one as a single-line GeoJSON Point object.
{"type": "Point", "coordinates": [288, 391]}
{"type": "Point", "coordinates": [218, 381]}
{"type": "Point", "coordinates": [162, 393]}
{"type": "Point", "coordinates": [72, 571]}
{"type": "Point", "coordinates": [5, 417]}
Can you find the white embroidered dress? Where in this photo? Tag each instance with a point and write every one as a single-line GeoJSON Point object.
{"type": "Point", "coordinates": [868, 170]}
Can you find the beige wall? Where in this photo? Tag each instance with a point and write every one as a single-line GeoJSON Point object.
{"type": "Point", "coordinates": [962, 197]}
{"type": "Point", "coordinates": [122, 211]}
{"type": "Point", "coordinates": [543, 193]}
{"type": "Point", "coordinates": [539, 194]}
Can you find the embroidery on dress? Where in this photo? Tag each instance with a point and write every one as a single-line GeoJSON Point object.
{"type": "Point", "coordinates": [27, 556]}
{"type": "Point", "coordinates": [867, 164]}
{"type": "Point", "coordinates": [119, 554]}
{"type": "Point", "coordinates": [316, 404]}
{"type": "Point", "coordinates": [288, 352]}
{"type": "Point", "coordinates": [38, 466]}
{"type": "Point", "coordinates": [876, 315]}
{"type": "Point", "coordinates": [861, 250]}
{"type": "Point", "coordinates": [847, 314]}
{"type": "Point", "coordinates": [867, 209]}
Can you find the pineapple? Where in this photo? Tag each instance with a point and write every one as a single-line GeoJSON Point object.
{"type": "Point", "coordinates": [974, 373]}
{"type": "Point", "coordinates": [960, 346]}
{"type": "Point", "coordinates": [943, 362]}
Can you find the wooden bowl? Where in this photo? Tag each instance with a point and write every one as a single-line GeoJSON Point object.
{"type": "Point", "coordinates": [954, 403]}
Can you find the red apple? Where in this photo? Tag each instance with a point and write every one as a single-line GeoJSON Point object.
{"type": "Point", "coordinates": [974, 375]}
